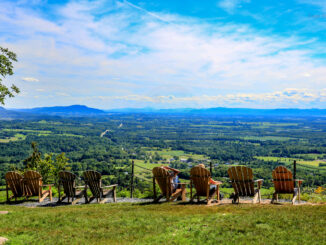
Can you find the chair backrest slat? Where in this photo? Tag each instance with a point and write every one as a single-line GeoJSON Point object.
{"type": "Point", "coordinates": [94, 180]}
{"type": "Point", "coordinates": [14, 181]}
{"type": "Point", "coordinates": [33, 182]}
{"type": "Point", "coordinates": [68, 181]}
{"type": "Point", "coordinates": [163, 179]}
{"type": "Point", "coordinates": [283, 180]}
{"type": "Point", "coordinates": [200, 177]}
{"type": "Point", "coordinates": [242, 180]}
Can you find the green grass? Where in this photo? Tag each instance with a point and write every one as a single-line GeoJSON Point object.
{"type": "Point", "coordinates": [265, 138]}
{"type": "Point", "coordinates": [27, 130]}
{"type": "Point", "coordinates": [17, 137]}
{"type": "Point", "coordinates": [314, 163]}
{"type": "Point", "coordinates": [165, 224]}
{"type": "Point", "coordinates": [30, 131]}
{"type": "Point", "coordinates": [276, 159]}
{"type": "Point", "coordinates": [71, 135]}
{"type": "Point", "coordinates": [168, 154]}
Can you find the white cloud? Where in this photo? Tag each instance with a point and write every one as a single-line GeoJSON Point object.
{"type": "Point", "coordinates": [30, 79]}
{"type": "Point", "coordinates": [290, 96]}
{"type": "Point", "coordinates": [96, 51]}
{"type": "Point", "coordinates": [62, 94]}
{"type": "Point", "coordinates": [230, 5]}
{"type": "Point", "coordinates": [319, 3]}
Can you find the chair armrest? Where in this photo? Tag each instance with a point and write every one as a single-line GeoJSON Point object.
{"type": "Point", "coordinates": [299, 181]}
{"type": "Point", "coordinates": [259, 182]}
{"type": "Point", "coordinates": [109, 186]}
{"type": "Point", "coordinates": [183, 185]}
{"type": "Point", "coordinates": [48, 185]}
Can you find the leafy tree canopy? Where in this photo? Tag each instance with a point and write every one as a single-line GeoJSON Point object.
{"type": "Point", "coordinates": [6, 68]}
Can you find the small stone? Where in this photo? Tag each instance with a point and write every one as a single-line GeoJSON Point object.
{"type": "Point", "coordinates": [4, 212]}
{"type": "Point", "coordinates": [3, 240]}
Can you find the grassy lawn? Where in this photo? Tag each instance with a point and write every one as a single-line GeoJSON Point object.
{"type": "Point", "coordinates": [165, 224]}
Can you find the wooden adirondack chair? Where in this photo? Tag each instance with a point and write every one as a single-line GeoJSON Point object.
{"type": "Point", "coordinates": [243, 183]}
{"type": "Point", "coordinates": [14, 182]}
{"type": "Point", "coordinates": [162, 177]}
{"type": "Point", "coordinates": [34, 186]}
{"type": "Point", "coordinates": [199, 178]}
{"type": "Point", "coordinates": [284, 183]}
{"type": "Point", "coordinates": [68, 181]}
{"type": "Point", "coordinates": [93, 180]}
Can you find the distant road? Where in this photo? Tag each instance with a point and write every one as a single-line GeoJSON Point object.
{"type": "Point", "coordinates": [104, 133]}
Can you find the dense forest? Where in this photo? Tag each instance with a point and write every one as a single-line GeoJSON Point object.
{"type": "Point", "coordinates": [110, 143]}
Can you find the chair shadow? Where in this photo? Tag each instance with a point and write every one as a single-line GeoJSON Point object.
{"type": "Point", "coordinates": [18, 202]}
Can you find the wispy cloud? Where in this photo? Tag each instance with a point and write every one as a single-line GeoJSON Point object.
{"type": "Point", "coordinates": [231, 5]}
{"type": "Point", "coordinates": [97, 50]}
{"type": "Point", "coordinates": [62, 94]}
{"type": "Point", "coordinates": [30, 79]}
{"type": "Point", "coordinates": [293, 97]}
{"type": "Point", "coordinates": [318, 3]}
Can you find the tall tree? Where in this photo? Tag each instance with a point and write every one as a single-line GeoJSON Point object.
{"type": "Point", "coordinates": [6, 69]}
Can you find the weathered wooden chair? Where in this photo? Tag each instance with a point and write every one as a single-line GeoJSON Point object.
{"type": "Point", "coordinates": [284, 184]}
{"type": "Point", "coordinates": [14, 183]}
{"type": "Point", "coordinates": [68, 181]}
{"type": "Point", "coordinates": [34, 186]}
{"type": "Point", "coordinates": [243, 183]}
{"type": "Point", "coordinates": [200, 178]}
{"type": "Point", "coordinates": [162, 177]}
{"type": "Point", "coordinates": [93, 180]}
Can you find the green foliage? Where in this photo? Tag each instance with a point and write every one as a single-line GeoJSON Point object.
{"type": "Point", "coordinates": [6, 69]}
{"type": "Point", "coordinates": [157, 138]}
{"type": "Point", "coordinates": [33, 160]}
{"type": "Point", "coordinates": [322, 164]}
{"type": "Point", "coordinates": [165, 223]}
{"type": "Point", "coordinates": [48, 166]}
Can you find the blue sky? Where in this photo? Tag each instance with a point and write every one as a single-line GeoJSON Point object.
{"type": "Point", "coordinates": [167, 54]}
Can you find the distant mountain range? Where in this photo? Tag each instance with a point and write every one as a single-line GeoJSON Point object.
{"type": "Point", "coordinates": [222, 111]}
{"type": "Point", "coordinates": [73, 110]}
{"type": "Point", "coordinates": [84, 111]}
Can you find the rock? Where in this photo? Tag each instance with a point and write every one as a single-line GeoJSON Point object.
{"type": "Point", "coordinates": [3, 240]}
{"type": "Point", "coordinates": [4, 212]}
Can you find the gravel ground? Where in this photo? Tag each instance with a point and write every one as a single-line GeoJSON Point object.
{"type": "Point", "coordinates": [47, 203]}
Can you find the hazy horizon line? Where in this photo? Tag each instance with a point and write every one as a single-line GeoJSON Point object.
{"type": "Point", "coordinates": [171, 108]}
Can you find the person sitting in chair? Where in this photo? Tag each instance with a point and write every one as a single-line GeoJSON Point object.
{"type": "Point", "coordinates": [213, 183]}
{"type": "Point", "coordinates": [174, 177]}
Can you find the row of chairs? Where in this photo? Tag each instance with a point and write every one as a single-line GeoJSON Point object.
{"type": "Point", "coordinates": [30, 184]}
{"type": "Point", "coordinates": [241, 178]}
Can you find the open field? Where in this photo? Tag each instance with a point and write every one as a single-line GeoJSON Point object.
{"type": "Point", "coordinates": [158, 224]}
{"type": "Point", "coordinates": [314, 163]}
{"type": "Point", "coordinates": [265, 138]}
{"type": "Point", "coordinates": [17, 137]}
{"type": "Point", "coordinates": [168, 154]}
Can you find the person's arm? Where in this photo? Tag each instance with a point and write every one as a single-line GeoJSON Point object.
{"type": "Point", "coordinates": [176, 171]}
{"type": "Point", "coordinates": [214, 182]}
